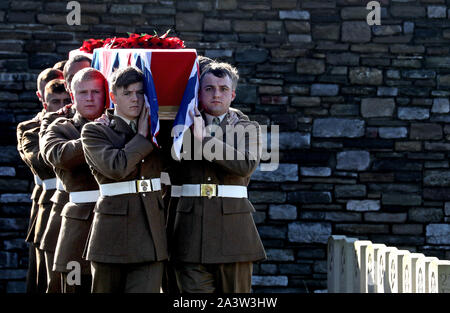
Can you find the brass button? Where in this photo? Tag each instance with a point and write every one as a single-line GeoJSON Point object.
{"type": "Point", "coordinates": [143, 194]}
{"type": "Point", "coordinates": [209, 178]}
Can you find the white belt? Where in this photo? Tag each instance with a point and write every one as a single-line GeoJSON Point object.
{"type": "Point", "coordinates": [59, 185]}
{"type": "Point", "coordinates": [37, 180]}
{"type": "Point", "coordinates": [212, 190]}
{"type": "Point", "coordinates": [131, 186]}
{"type": "Point", "coordinates": [49, 184]}
{"type": "Point", "coordinates": [165, 178]}
{"type": "Point", "coordinates": [84, 196]}
{"type": "Point", "coordinates": [175, 191]}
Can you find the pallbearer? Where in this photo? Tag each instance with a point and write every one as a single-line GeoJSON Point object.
{"type": "Point", "coordinates": [128, 242]}
{"type": "Point", "coordinates": [63, 149]}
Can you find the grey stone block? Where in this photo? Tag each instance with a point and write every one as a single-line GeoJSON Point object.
{"type": "Point", "coordinates": [251, 55]}
{"type": "Point", "coordinates": [302, 232]}
{"type": "Point", "coordinates": [309, 197]}
{"type": "Point", "coordinates": [438, 234]}
{"type": "Point", "coordinates": [436, 11]}
{"type": "Point", "coordinates": [315, 171]}
{"type": "Point", "coordinates": [338, 127]}
{"type": "Point", "coordinates": [363, 205]}
{"type": "Point", "coordinates": [282, 212]}
{"type": "Point", "coordinates": [353, 160]}
{"type": "Point", "coordinates": [310, 66]}
{"type": "Point", "coordinates": [413, 113]}
{"type": "Point", "coordinates": [324, 90]}
{"type": "Point", "coordinates": [269, 280]}
{"type": "Point", "coordinates": [350, 191]}
{"type": "Point", "coordinates": [377, 107]}
{"type": "Point", "coordinates": [7, 171]}
{"type": "Point", "coordinates": [366, 76]}
{"type": "Point", "coordinates": [393, 132]}
{"type": "Point", "coordinates": [280, 255]}
{"type": "Point", "coordinates": [285, 172]}
{"type": "Point", "coordinates": [437, 178]}
{"type": "Point", "coordinates": [355, 32]}
{"type": "Point", "coordinates": [294, 15]}
{"type": "Point", "coordinates": [294, 140]}
{"type": "Point", "coordinates": [440, 105]}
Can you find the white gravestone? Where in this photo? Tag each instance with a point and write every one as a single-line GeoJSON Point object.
{"type": "Point", "coordinates": [348, 265]}
{"type": "Point", "coordinates": [379, 267]}
{"type": "Point", "coordinates": [443, 267]}
{"type": "Point", "coordinates": [404, 271]}
{"type": "Point", "coordinates": [418, 272]}
{"type": "Point", "coordinates": [335, 248]}
{"type": "Point", "coordinates": [391, 273]}
{"type": "Point", "coordinates": [430, 274]}
{"type": "Point", "coordinates": [364, 271]}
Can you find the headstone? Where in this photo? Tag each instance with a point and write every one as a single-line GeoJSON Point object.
{"type": "Point", "coordinates": [443, 267]}
{"type": "Point", "coordinates": [348, 266]}
{"type": "Point", "coordinates": [404, 271]}
{"type": "Point", "coordinates": [364, 271]}
{"type": "Point", "coordinates": [391, 273]}
{"type": "Point", "coordinates": [379, 267]}
{"type": "Point", "coordinates": [335, 249]}
{"type": "Point", "coordinates": [430, 274]}
{"type": "Point", "coordinates": [418, 272]}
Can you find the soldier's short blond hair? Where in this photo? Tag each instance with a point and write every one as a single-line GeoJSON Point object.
{"type": "Point", "coordinates": [87, 73]}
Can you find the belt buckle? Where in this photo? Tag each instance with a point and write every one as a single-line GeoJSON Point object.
{"type": "Point", "coordinates": [208, 190]}
{"type": "Point", "coordinates": [143, 185]}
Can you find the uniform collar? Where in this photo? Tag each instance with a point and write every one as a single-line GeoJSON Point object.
{"type": "Point", "coordinates": [118, 123]}
{"type": "Point", "coordinates": [209, 118]}
{"type": "Point", "coordinates": [79, 120]}
{"type": "Point", "coordinates": [124, 118]}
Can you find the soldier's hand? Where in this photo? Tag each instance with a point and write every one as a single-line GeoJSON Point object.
{"type": "Point", "coordinates": [104, 120]}
{"type": "Point", "coordinates": [143, 122]}
{"type": "Point", "coordinates": [64, 109]}
{"type": "Point", "coordinates": [199, 124]}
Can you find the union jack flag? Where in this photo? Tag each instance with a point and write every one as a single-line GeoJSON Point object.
{"type": "Point", "coordinates": [171, 82]}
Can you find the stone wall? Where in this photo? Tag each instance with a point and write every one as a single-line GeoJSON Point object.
{"type": "Point", "coordinates": [363, 113]}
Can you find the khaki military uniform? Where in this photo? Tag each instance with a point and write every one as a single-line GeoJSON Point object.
{"type": "Point", "coordinates": [59, 199]}
{"type": "Point", "coordinates": [215, 239]}
{"type": "Point", "coordinates": [30, 146]}
{"type": "Point", "coordinates": [62, 147]}
{"type": "Point", "coordinates": [128, 233]}
{"type": "Point", "coordinates": [37, 190]}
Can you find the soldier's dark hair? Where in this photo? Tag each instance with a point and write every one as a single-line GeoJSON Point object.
{"type": "Point", "coordinates": [60, 65]}
{"type": "Point", "coordinates": [55, 86]}
{"type": "Point", "coordinates": [76, 59]}
{"type": "Point", "coordinates": [123, 77]}
{"type": "Point", "coordinates": [203, 62]}
{"type": "Point", "coordinates": [221, 69]}
{"type": "Point", "coordinates": [45, 76]}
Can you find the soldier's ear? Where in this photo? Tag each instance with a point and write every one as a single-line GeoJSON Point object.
{"type": "Point", "coordinates": [72, 97]}
{"type": "Point", "coordinates": [45, 105]}
{"type": "Point", "coordinates": [38, 94]}
{"type": "Point", "coordinates": [112, 96]}
{"type": "Point", "coordinates": [233, 94]}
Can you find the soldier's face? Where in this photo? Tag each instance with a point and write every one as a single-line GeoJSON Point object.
{"type": "Point", "coordinates": [129, 100]}
{"type": "Point", "coordinates": [216, 94]}
{"type": "Point", "coordinates": [55, 101]}
{"type": "Point", "coordinates": [89, 98]}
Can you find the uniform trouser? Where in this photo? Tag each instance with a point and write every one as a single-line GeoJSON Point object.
{"type": "Point", "coordinates": [83, 288]}
{"type": "Point", "coordinates": [53, 278]}
{"type": "Point", "coordinates": [32, 270]}
{"type": "Point", "coordinates": [41, 275]}
{"type": "Point", "coordinates": [214, 278]}
{"type": "Point", "coordinates": [127, 278]}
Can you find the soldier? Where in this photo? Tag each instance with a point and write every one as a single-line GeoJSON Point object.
{"type": "Point", "coordinates": [215, 241]}
{"type": "Point", "coordinates": [60, 65]}
{"type": "Point", "coordinates": [60, 197]}
{"type": "Point", "coordinates": [28, 147]}
{"type": "Point", "coordinates": [127, 243]}
{"type": "Point", "coordinates": [62, 147]}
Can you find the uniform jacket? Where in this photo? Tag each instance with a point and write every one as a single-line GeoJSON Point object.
{"type": "Point", "coordinates": [37, 190]}
{"type": "Point", "coordinates": [30, 146]}
{"type": "Point", "coordinates": [127, 228]}
{"type": "Point", "coordinates": [219, 230]}
{"type": "Point", "coordinates": [60, 197]}
{"type": "Point", "coordinates": [62, 147]}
